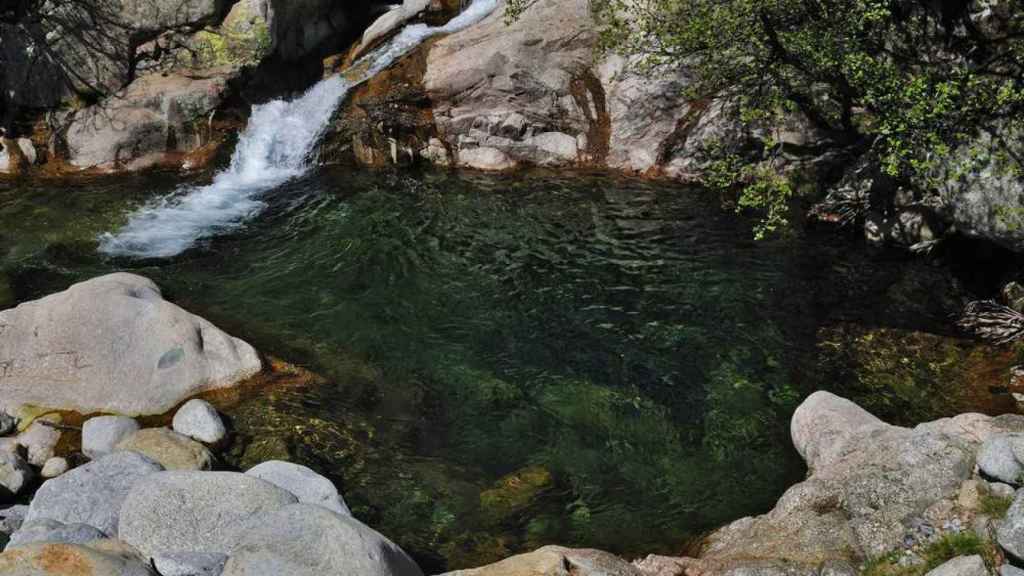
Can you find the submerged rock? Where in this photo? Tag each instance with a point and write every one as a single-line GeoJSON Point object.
{"type": "Point", "coordinates": [113, 344]}
{"type": "Point", "coordinates": [307, 540]}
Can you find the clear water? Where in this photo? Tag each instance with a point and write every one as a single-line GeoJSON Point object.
{"type": "Point", "coordinates": [275, 147]}
{"type": "Point", "coordinates": [621, 348]}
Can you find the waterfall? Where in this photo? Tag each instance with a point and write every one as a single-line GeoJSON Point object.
{"type": "Point", "coordinates": [274, 148]}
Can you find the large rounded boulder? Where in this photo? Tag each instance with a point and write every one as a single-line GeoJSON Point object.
{"type": "Point", "coordinates": [190, 511]}
{"type": "Point", "coordinates": [113, 344]}
{"type": "Point", "coordinates": [309, 540]}
{"type": "Point", "coordinates": [91, 494]}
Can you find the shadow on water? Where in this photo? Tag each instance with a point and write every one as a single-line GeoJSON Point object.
{"type": "Point", "coordinates": [512, 361]}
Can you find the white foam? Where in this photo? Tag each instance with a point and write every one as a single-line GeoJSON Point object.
{"type": "Point", "coordinates": [274, 148]}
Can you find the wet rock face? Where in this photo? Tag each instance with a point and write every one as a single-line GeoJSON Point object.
{"type": "Point", "coordinates": [148, 123]}
{"type": "Point", "coordinates": [498, 96]}
{"type": "Point", "coordinates": [523, 93]}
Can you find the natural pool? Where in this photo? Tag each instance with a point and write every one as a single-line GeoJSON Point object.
{"type": "Point", "coordinates": [511, 361]}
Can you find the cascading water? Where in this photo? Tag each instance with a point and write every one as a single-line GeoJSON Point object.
{"type": "Point", "coordinates": [274, 148]}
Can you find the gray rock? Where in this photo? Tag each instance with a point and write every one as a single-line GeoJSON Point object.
{"type": "Point", "coordinates": [1008, 570]}
{"type": "Point", "coordinates": [279, 543]}
{"type": "Point", "coordinates": [511, 82]}
{"type": "Point", "coordinates": [554, 149]}
{"type": "Point", "coordinates": [308, 486]}
{"type": "Point", "coordinates": [510, 86]}
{"type": "Point", "coordinates": [112, 344]}
{"type": "Point", "coordinates": [100, 558]}
{"type": "Point", "coordinates": [171, 450]}
{"type": "Point", "coordinates": [551, 560]}
{"type": "Point", "coordinates": [147, 123]}
{"type": "Point", "coordinates": [982, 191]}
{"type": "Point", "coordinates": [1001, 458]}
{"type": "Point", "coordinates": [389, 22]}
{"type": "Point", "coordinates": [1010, 534]}
{"type": "Point", "coordinates": [1000, 490]}
{"type": "Point", "coordinates": [156, 15]}
{"type": "Point", "coordinates": [190, 564]}
{"type": "Point", "coordinates": [54, 467]}
{"type": "Point", "coordinates": [961, 566]}
{"type": "Point", "coordinates": [485, 158]}
{"type": "Point", "coordinates": [824, 422]}
{"type": "Point", "coordinates": [180, 511]}
{"type": "Point", "coordinates": [12, 518]}
{"type": "Point", "coordinates": [46, 530]}
{"type": "Point", "coordinates": [15, 475]}
{"type": "Point", "coordinates": [8, 424]}
{"type": "Point", "coordinates": [872, 487]}
{"type": "Point", "coordinates": [100, 435]}
{"type": "Point", "coordinates": [200, 421]}
{"type": "Point", "coordinates": [39, 439]}
{"type": "Point", "coordinates": [92, 494]}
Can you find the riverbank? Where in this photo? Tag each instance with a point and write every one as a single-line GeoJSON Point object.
{"type": "Point", "coordinates": [940, 498]}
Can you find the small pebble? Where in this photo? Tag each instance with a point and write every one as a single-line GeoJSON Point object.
{"type": "Point", "coordinates": [54, 467]}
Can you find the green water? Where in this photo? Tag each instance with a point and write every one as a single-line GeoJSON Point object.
{"type": "Point", "coordinates": [509, 361]}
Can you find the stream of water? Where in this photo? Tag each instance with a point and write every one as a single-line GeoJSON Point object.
{"type": "Point", "coordinates": [274, 148]}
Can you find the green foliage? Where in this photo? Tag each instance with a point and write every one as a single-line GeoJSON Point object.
{"type": "Point", "coordinates": [995, 506]}
{"type": "Point", "coordinates": [934, 555]}
{"type": "Point", "coordinates": [910, 80]}
{"type": "Point", "coordinates": [762, 189]}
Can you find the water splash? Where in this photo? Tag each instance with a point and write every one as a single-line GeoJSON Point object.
{"type": "Point", "coordinates": [274, 148]}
